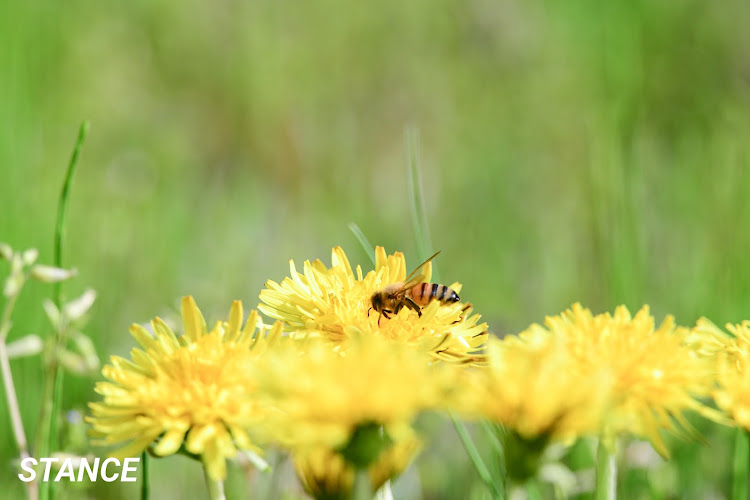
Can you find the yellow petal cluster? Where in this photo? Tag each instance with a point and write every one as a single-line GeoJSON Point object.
{"type": "Point", "coordinates": [318, 395]}
{"type": "Point", "coordinates": [184, 391]}
{"type": "Point", "coordinates": [536, 389]}
{"type": "Point", "coordinates": [733, 370]}
{"type": "Point", "coordinates": [655, 374]}
{"type": "Point", "coordinates": [334, 303]}
{"type": "Point", "coordinates": [710, 340]}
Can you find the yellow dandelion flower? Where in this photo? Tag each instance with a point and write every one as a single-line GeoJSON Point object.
{"type": "Point", "coordinates": [534, 388]}
{"type": "Point", "coordinates": [325, 474]}
{"type": "Point", "coordinates": [323, 397]}
{"type": "Point", "coordinates": [183, 391]}
{"type": "Point", "coordinates": [708, 339]}
{"type": "Point", "coordinates": [733, 395]}
{"type": "Point", "coordinates": [733, 371]}
{"type": "Point", "coordinates": [335, 303]}
{"type": "Point", "coordinates": [656, 375]}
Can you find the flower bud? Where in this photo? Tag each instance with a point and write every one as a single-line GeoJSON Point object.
{"type": "Point", "coordinates": [6, 252]}
{"type": "Point", "coordinates": [75, 309]}
{"type": "Point", "coordinates": [53, 313]}
{"type": "Point", "coordinates": [74, 363]}
{"type": "Point", "coordinates": [25, 346]}
{"type": "Point", "coordinates": [14, 281]}
{"type": "Point", "coordinates": [50, 274]}
{"type": "Point", "coordinates": [30, 256]}
{"type": "Point", "coordinates": [86, 348]}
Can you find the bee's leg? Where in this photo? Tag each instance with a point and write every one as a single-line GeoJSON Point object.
{"type": "Point", "coordinates": [413, 306]}
{"type": "Point", "coordinates": [385, 313]}
{"type": "Point", "coordinates": [368, 312]}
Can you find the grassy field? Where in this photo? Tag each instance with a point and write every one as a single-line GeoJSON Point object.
{"type": "Point", "coordinates": [569, 151]}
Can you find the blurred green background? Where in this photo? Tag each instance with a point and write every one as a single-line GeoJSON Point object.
{"type": "Point", "coordinates": [570, 151]}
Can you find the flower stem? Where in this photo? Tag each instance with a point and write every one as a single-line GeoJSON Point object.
{"type": "Point", "coordinates": [741, 463]}
{"type": "Point", "coordinates": [15, 415]}
{"type": "Point", "coordinates": [606, 473]}
{"type": "Point", "coordinates": [385, 492]}
{"type": "Point", "coordinates": [144, 476]}
{"type": "Point", "coordinates": [215, 488]}
{"type": "Point", "coordinates": [15, 412]}
{"type": "Point", "coordinates": [5, 322]}
{"type": "Point", "coordinates": [476, 459]}
{"type": "Point", "coordinates": [54, 382]}
{"type": "Point", "coordinates": [10, 390]}
{"type": "Point", "coordinates": [362, 488]}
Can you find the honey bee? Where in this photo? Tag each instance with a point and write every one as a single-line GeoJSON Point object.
{"type": "Point", "coordinates": [413, 293]}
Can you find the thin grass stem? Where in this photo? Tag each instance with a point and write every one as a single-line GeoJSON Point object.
{"type": "Point", "coordinates": [54, 386]}
{"type": "Point", "coordinates": [493, 432]}
{"type": "Point", "coordinates": [740, 466]}
{"type": "Point", "coordinates": [144, 477]}
{"type": "Point", "coordinates": [32, 488]}
{"type": "Point", "coordinates": [15, 415]}
{"type": "Point", "coordinates": [363, 241]}
{"type": "Point", "coordinates": [416, 195]}
{"type": "Point", "coordinates": [5, 323]}
{"type": "Point", "coordinates": [13, 408]}
{"type": "Point", "coordinates": [62, 207]}
{"type": "Point", "coordinates": [476, 459]}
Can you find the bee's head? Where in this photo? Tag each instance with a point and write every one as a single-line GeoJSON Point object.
{"type": "Point", "coordinates": [377, 301]}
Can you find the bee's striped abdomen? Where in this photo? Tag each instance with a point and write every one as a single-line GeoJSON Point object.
{"type": "Point", "coordinates": [423, 293]}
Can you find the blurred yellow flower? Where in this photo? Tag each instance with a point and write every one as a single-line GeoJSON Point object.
{"type": "Point", "coordinates": [184, 391]}
{"type": "Point", "coordinates": [321, 397]}
{"type": "Point", "coordinates": [334, 303]}
{"type": "Point", "coordinates": [325, 474]}
{"type": "Point", "coordinates": [536, 389]}
{"type": "Point", "coordinates": [655, 374]}
{"type": "Point", "coordinates": [733, 371]}
{"type": "Point", "coordinates": [708, 339]}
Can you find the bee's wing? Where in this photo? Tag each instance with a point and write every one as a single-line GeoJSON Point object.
{"type": "Point", "coordinates": [412, 278]}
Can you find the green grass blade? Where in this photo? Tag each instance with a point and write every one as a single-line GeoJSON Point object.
{"type": "Point", "coordinates": [62, 208]}
{"type": "Point", "coordinates": [416, 196]}
{"type": "Point", "coordinates": [363, 241]}
{"type": "Point", "coordinates": [476, 459]}
{"type": "Point", "coordinates": [49, 422]}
